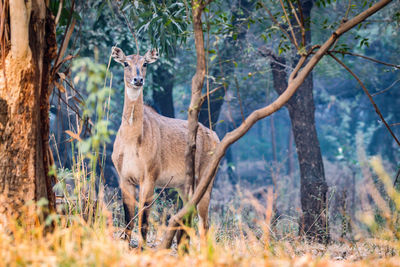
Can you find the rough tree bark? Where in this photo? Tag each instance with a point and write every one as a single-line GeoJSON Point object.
{"type": "Point", "coordinates": [313, 186]}
{"type": "Point", "coordinates": [24, 106]}
{"type": "Point", "coordinates": [295, 81]}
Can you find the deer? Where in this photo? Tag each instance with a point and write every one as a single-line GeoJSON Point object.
{"type": "Point", "coordinates": [149, 149]}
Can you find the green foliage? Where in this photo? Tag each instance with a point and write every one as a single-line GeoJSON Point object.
{"type": "Point", "coordinates": [81, 184]}
{"type": "Point", "coordinates": [163, 24]}
{"type": "Point", "coordinates": [95, 107]}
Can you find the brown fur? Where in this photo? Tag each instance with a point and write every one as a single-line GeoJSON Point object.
{"type": "Point", "coordinates": [149, 148]}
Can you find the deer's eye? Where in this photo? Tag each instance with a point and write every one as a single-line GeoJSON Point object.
{"type": "Point", "coordinates": [126, 64]}
{"type": "Point", "coordinates": [145, 65]}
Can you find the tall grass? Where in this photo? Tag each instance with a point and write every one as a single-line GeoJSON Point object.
{"type": "Point", "coordinates": [77, 241]}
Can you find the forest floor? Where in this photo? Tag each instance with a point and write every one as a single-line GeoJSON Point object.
{"type": "Point", "coordinates": [241, 234]}
{"type": "Point", "coordinates": [80, 245]}
{"type": "Point", "coordinates": [75, 242]}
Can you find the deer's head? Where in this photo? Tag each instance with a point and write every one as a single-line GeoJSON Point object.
{"type": "Point", "coordinates": [134, 69]}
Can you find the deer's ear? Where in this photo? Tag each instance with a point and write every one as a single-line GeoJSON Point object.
{"type": "Point", "coordinates": [151, 56]}
{"type": "Point", "coordinates": [118, 55]}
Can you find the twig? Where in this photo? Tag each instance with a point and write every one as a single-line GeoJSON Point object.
{"type": "Point", "coordinates": [365, 57]}
{"type": "Point", "coordinates": [66, 37]}
{"type": "Point", "coordinates": [301, 62]}
{"type": "Point", "coordinates": [146, 207]}
{"type": "Point", "coordinates": [276, 22]}
{"type": "Point", "coordinates": [344, 19]}
{"type": "Point", "coordinates": [369, 96]}
{"type": "Point", "coordinates": [203, 97]}
{"type": "Point", "coordinates": [395, 124]}
{"type": "Point", "coordinates": [303, 33]}
{"type": "Point", "coordinates": [387, 89]}
{"type": "Point", "coordinates": [129, 26]}
{"type": "Point", "coordinates": [290, 25]}
{"type": "Point", "coordinates": [59, 12]}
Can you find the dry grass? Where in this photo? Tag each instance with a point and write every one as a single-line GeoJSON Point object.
{"type": "Point", "coordinates": [75, 242]}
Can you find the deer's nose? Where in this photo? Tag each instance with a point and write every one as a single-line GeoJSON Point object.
{"type": "Point", "coordinates": [138, 81]}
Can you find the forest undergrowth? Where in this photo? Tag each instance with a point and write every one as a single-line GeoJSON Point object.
{"type": "Point", "coordinates": [72, 238]}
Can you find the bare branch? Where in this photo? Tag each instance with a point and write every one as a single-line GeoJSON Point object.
{"type": "Point", "coordinates": [65, 40]}
{"type": "Point", "coordinates": [64, 44]}
{"type": "Point", "coordinates": [302, 30]}
{"type": "Point", "coordinates": [386, 89]}
{"type": "Point", "coordinates": [130, 28]}
{"type": "Point", "coordinates": [369, 96]}
{"type": "Point", "coordinates": [203, 97]}
{"type": "Point", "coordinates": [367, 58]}
{"type": "Point", "coordinates": [346, 15]}
{"type": "Point", "coordinates": [303, 33]}
{"type": "Point", "coordinates": [290, 25]}
{"type": "Point", "coordinates": [59, 12]}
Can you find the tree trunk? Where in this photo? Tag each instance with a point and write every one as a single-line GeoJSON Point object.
{"type": "Point", "coordinates": [24, 107]}
{"type": "Point", "coordinates": [313, 187]}
{"type": "Point", "coordinates": [163, 98]}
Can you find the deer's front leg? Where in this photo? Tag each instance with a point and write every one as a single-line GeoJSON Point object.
{"type": "Point", "coordinates": [145, 198]}
{"type": "Point", "coordinates": [129, 200]}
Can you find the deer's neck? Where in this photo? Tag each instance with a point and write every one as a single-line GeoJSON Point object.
{"type": "Point", "coordinates": [132, 116]}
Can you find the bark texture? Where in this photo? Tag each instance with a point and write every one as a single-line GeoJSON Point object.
{"type": "Point", "coordinates": [24, 109]}
{"type": "Point", "coordinates": [313, 186]}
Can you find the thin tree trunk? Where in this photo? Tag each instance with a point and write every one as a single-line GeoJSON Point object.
{"type": "Point", "coordinates": [24, 108]}
{"type": "Point", "coordinates": [194, 109]}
